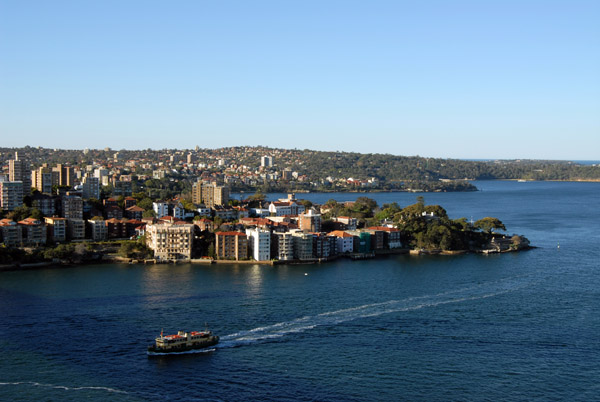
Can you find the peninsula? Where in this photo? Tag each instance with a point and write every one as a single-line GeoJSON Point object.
{"type": "Point", "coordinates": [61, 205]}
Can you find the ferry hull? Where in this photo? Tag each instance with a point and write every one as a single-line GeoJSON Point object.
{"type": "Point", "coordinates": [177, 349]}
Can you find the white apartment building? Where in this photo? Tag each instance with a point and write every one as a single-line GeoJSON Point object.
{"type": "Point", "coordinates": [259, 242]}
{"type": "Point", "coordinates": [161, 209]}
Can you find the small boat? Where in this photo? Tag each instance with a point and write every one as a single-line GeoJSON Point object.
{"type": "Point", "coordinates": [183, 342]}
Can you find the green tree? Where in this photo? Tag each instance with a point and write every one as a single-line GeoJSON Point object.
{"type": "Point", "coordinates": [489, 224]}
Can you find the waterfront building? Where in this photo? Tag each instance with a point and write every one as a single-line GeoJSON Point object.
{"type": "Point", "coordinates": [170, 240]}
{"type": "Point", "coordinates": [323, 245]}
{"type": "Point", "coordinates": [377, 238]}
{"type": "Point", "coordinates": [362, 241]}
{"type": "Point", "coordinates": [57, 228]}
{"type": "Point", "coordinates": [231, 245]}
{"type": "Point", "coordinates": [345, 241]}
{"type": "Point", "coordinates": [33, 231]}
{"type": "Point", "coordinates": [282, 244]}
{"type": "Point", "coordinates": [259, 243]}
{"type": "Point", "coordinates": [75, 229]}
{"type": "Point", "coordinates": [11, 233]}
{"type": "Point", "coordinates": [303, 245]}
{"type": "Point", "coordinates": [11, 195]}
{"type": "Point", "coordinates": [391, 236]}
{"type": "Point", "coordinates": [116, 229]}
{"type": "Point", "coordinates": [98, 229]}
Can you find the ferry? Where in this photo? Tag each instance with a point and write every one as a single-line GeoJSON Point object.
{"type": "Point", "coordinates": [182, 342]}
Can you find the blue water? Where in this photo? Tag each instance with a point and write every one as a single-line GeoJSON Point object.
{"type": "Point", "coordinates": [501, 327]}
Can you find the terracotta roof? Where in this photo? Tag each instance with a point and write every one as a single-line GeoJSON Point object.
{"type": "Point", "coordinates": [340, 233]}
{"type": "Point", "coordinates": [383, 228]}
{"type": "Point", "coordinates": [230, 234]}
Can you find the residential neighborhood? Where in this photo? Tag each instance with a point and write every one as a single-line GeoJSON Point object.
{"type": "Point", "coordinates": [48, 205]}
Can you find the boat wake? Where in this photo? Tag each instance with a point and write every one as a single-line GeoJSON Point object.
{"type": "Point", "coordinates": [275, 331]}
{"type": "Point", "coordinates": [62, 387]}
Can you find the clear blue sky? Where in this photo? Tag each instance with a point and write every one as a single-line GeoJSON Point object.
{"type": "Point", "coordinates": [459, 79]}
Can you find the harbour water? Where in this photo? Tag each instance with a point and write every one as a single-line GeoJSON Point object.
{"type": "Point", "coordinates": [521, 326]}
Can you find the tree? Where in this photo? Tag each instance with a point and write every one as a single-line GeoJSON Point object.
{"type": "Point", "coordinates": [211, 250]}
{"type": "Point", "coordinates": [149, 214]}
{"type": "Point", "coordinates": [488, 224]}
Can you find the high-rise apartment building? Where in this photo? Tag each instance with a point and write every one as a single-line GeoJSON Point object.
{"type": "Point", "coordinates": [209, 194]}
{"type": "Point", "coordinates": [266, 161]}
{"type": "Point", "coordinates": [91, 187]}
{"type": "Point", "coordinates": [63, 175]}
{"type": "Point", "coordinates": [19, 170]}
{"type": "Point", "coordinates": [41, 179]}
{"type": "Point", "coordinates": [11, 195]}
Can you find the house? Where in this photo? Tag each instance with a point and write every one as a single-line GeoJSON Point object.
{"type": "Point", "coordinates": [134, 212]}
{"type": "Point", "coordinates": [204, 224]}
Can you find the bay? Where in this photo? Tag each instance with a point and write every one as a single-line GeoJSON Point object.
{"type": "Point", "coordinates": [517, 326]}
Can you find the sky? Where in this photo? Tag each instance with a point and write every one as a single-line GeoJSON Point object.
{"type": "Point", "coordinates": [449, 79]}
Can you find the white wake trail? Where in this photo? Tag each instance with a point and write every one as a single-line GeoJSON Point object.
{"type": "Point", "coordinates": [330, 318]}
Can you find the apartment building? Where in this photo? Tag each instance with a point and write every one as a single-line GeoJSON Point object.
{"type": "Point", "coordinates": [231, 245]}
{"type": "Point", "coordinates": [259, 243]}
{"type": "Point", "coordinates": [11, 233]}
{"type": "Point", "coordinates": [11, 195]}
{"type": "Point", "coordinates": [170, 241]}
{"type": "Point", "coordinates": [33, 231]}
{"type": "Point", "coordinates": [72, 207]}
{"type": "Point", "coordinates": [98, 230]}
{"type": "Point", "coordinates": [19, 170]}
{"type": "Point", "coordinates": [57, 228]}
{"type": "Point", "coordinates": [303, 245]}
{"type": "Point", "coordinates": [282, 246]}
{"type": "Point", "coordinates": [209, 194]}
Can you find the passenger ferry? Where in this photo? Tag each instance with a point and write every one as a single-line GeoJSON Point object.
{"type": "Point", "coordinates": [182, 342]}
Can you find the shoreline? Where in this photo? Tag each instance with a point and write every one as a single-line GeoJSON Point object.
{"type": "Point", "coordinates": [206, 261]}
